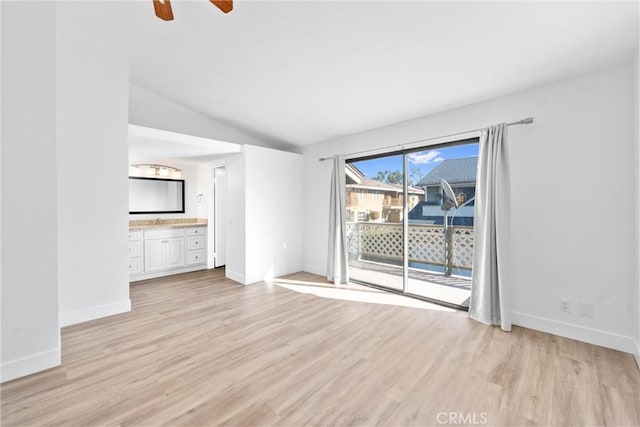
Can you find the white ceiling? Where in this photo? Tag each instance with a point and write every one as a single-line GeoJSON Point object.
{"type": "Point", "coordinates": [302, 72]}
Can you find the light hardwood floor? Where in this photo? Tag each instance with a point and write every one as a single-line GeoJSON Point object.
{"type": "Point", "coordinates": [199, 349]}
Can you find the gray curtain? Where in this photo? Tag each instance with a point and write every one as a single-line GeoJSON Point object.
{"type": "Point", "coordinates": [337, 269]}
{"type": "Point", "coordinates": [489, 291]}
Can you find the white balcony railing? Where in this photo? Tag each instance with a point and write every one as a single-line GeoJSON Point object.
{"type": "Point", "coordinates": [383, 241]}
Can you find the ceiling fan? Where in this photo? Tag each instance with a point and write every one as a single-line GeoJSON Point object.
{"type": "Point", "coordinates": [164, 12]}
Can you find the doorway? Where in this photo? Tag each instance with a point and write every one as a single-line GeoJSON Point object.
{"type": "Point", "coordinates": [218, 217]}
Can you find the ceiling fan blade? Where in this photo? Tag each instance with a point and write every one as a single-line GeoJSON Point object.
{"type": "Point", "coordinates": [163, 9]}
{"type": "Point", "coordinates": [224, 5]}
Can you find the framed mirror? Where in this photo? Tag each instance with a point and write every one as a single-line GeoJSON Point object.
{"type": "Point", "coordinates": [155, 195]}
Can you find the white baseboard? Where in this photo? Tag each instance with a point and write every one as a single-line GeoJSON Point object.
{"type": "Point", "coordinates": [576, 332]}
{"type": "Point", "coordinates": [260, 277]}
{"type": "Point", "coordinates": [163, 273]}
{"type": "Point", "coordinates": [313, 269]}
{"type": "Point", "coordinates": [637, 354]}
{"type": "Point", "coordinates": [30, 364]}
{"type": "Point", "coordinates": [235, 276]}
{"type": "Point", "coordinates": [84, 315]}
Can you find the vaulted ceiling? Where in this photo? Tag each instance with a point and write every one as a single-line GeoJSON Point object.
{"type": "Point", "coordinates": [306, 71]}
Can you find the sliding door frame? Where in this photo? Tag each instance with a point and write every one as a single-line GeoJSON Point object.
{"type": "Point", "coordinates": [405, 216]}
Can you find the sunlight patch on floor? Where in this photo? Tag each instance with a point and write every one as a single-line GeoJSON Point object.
{"type": "Point", "coordinates": [355, 293]}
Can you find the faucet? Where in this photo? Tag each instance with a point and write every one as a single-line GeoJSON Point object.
{"type": "Point", "coordinates": [157, 221]}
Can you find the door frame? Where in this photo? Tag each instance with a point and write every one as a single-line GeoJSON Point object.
{"type": "Point", "coordinates": [213, 220]}
{"type": "Point", "coordinates": [405, 215]}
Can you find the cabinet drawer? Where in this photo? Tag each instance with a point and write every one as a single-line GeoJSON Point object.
{"type": "Point", "coordinates": [164, 233]}
{"type": "Point", "coordinates": [195, 257]}
{"type": "Point", "coordinates": [135, 235]}
{"type": "Point", "coordinates": [135, 265]}
{"type": "Point", "coordinates": [135, 249]}
{"type": "Point", "coordinates": [195, 231]}
{"type": "Point", "coordinates": [196, 242]}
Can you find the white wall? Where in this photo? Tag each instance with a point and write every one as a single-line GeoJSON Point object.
{"type": "Point", "coordinates": [264, 212]}
{"type": "Point", "coordinates": [92, 184]}
{"type": "Point", "coordinates": [578, 158]}
{"type": "Point", "coordinates": [191, 186]}
{"type": "Point", "coordinates": [274, 210]}
{"type": "Point", "coordinates": [151, 110]}
{"type": "Point", "coordinates": [30, 332]}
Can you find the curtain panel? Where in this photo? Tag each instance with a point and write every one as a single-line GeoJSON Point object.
{"type": "Point", "coordinates": [337, 266]}
{"type": "Point", "coordinates": [489, 302]}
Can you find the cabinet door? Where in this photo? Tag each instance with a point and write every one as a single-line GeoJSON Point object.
{"type": "Point", "coordinates": [135, 249]}
{"type": "Point", "coordinates": [154, 255]}
{"type": "Point", "coordinates": [196, 242]}
{"type": "Point", "coordinates": [174, 252]}
{"type": "Point", "coordinates": [135, 265]}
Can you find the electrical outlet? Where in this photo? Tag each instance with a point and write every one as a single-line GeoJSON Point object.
{"type": "Point", "coordinates": [586, 309]}
{"type": "Point", "coordinates": [564, 305]}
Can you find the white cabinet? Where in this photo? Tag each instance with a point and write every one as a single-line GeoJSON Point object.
{"type": "Point", "coordinates": [195, 257]}
{"type": "Point", "coordinates": [162, 254]}
{"type": "Point", "coordinates": [154, 255]}
{"type": "Point", "coordinates": [197, 231]}
{"type": "Point", "coordinates": [164, 249]}
{"type": "Point", "coordinates": [135, 252]}
{"type": "Point", "coordinates": [174, 252]}
{"type": "Point", "coordinates": [196, 242]}
{"type": "Point", "coordinates": [161, 251]}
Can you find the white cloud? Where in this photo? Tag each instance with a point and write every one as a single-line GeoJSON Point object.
{"type": "Point", "coordinates": [425, 158]}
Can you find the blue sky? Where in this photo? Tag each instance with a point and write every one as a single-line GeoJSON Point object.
{"type": "Point", "coordinates": [424, 161]}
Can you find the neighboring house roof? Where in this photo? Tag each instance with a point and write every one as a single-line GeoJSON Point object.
{"type": "Point", "coordinates": [353, 173]}
{"type": "Point", "coordinates": [453, 170]}
{"type": "Point", "coordinates": [372, 184]}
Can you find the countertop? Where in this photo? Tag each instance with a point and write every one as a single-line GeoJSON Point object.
{"type": "Point", "coordinates": [166, 223]}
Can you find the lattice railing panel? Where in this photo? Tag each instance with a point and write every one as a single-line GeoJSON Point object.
{"type": "Point", "coordinates": [462, 244]}
{"type": "Point", "coordinates": [426, 243]}
{"type": "Point", "coordinates": [353, 240]}
{"type": "Point", "coordinates": [381, 240]}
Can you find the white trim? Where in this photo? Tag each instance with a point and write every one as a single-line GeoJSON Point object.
{"type": "Point", "coordinates": [30, 364]}
{"type": "Point", "coordinates": [576, 332]}
{"type": "Point", "coordinates": [235, 276]}
{"type": "Point", "coordinates": [96, 312]}
{"type": "Point", "coordinates": [257, 278]}
{"type": "Point", "coordinates": [222, 147]}
{"type": "Point", "coordinates": [414, 190]}
{"type": "Point", "coordinates": [423, 143]}
{"type": "Point", "coordinates": [314, 270]}
{"type": "Point", "coordinates": [163, 273]}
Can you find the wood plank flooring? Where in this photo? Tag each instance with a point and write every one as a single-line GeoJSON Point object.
{"type": "Point", "coordinates": [199, 349]}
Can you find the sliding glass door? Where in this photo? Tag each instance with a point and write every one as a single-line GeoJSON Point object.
{"type": "Point", "coordinates": [410, 221]}
{"type": "Point", "coordinates": [374, 195]}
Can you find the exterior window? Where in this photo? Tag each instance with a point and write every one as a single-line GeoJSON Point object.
{"type": "Point", "coordinates": [464, 194]}
{"type": "Point", "coordinates": [434, 195]}
{"type": "Point", "coordinates": [362, 216]}
{"type": "Point", "coordinates": [361, 195]}
{"type": "Point", "coordinates": [375, 195]}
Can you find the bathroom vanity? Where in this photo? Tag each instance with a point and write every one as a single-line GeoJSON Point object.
{"type": "Point", "coordinates": [162, 247]}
